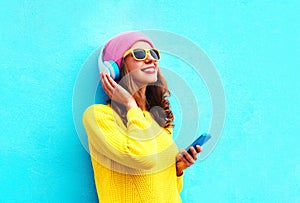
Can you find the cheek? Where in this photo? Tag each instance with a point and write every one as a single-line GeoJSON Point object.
{"type": "Point", "coordinates": [136, 74]}
{"type": "Point", "coordinates": [133, 65]}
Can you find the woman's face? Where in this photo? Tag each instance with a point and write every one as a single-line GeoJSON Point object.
{"type": "Point", "coordinates": [144, 71]}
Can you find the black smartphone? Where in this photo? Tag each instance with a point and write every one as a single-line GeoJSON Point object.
{"type": "Point", "coordinates": [201, 140]}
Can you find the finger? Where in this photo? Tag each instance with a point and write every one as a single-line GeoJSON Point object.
{"type": "Point", "coordinates": [115, 88]}
{"type": "Point", "coordinates": [188, 158]}
{"type": "Point", "coordinates": [107, 83]}
{"type": "Point", "coordinates": [179, 157]}
{"type": "Point", "coordinates": [198, 148]}
{"type": "Point", "coordinates": [107, 87]}
{"type": "Point", "coordinates": [103, 83]}
{"type": "Point", "coordinates": [193, 152]}
{"type": "Point", "coordinates": [111, 81]}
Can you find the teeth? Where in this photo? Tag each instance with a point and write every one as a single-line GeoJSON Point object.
{"type": "Point", "coordinates": [148, 70]}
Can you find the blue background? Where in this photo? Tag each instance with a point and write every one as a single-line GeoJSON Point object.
{"type": "Point", "coordinates": [253, 44]}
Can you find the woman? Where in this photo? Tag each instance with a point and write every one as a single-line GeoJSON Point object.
{"type": "Point", "coordinates": [130, 139]}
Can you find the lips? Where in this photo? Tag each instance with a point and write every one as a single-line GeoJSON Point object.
{"type": "Point", "coordinates": [149, 70]}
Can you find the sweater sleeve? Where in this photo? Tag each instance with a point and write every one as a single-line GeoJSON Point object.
{"type": "Point", "coordinates": [134, 146]}
{"type": "Point", "coordinates": [180, 183]}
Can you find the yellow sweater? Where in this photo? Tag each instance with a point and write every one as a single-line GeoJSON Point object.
{"type": "Point", "coordinates": [133, 163]}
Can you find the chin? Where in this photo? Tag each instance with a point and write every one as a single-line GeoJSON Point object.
{"type": "Point", "coordinates": [151, 79]}
{"type": "Point", "coordinates": [146, 79]}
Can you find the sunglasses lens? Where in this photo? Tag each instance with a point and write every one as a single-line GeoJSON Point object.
{"type": "Point", "coordinates": [139, 53]}
{"type": "Point", "coordinates": [155, 54]}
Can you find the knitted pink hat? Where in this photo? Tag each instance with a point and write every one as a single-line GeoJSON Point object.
{"type": "Point", "coordinates": [117, 46]}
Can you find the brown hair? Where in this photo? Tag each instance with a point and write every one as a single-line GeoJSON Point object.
{"type": "Point", "coordinates": [155, 96]}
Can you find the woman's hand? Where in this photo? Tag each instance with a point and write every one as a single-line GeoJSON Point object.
{"type": "Point", "coordinates": [116, 92]}
{"type": "Point", "coordinates": [185, 160]}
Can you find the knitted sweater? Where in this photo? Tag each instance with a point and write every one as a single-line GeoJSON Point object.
{"type": "Point", "coordinates": [133, 163]}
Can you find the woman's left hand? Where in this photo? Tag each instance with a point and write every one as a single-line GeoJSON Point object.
{"type": "Point", "coordinates": [185, 160]}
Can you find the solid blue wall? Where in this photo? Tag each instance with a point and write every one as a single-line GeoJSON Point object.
{"type": "Point", "coordinates": [253, 44]}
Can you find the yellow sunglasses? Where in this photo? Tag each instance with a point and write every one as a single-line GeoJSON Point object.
{"type": "Point", "coordinates": [140, 54]}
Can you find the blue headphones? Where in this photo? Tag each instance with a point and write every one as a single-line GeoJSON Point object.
{"type": "Point", "coordinates": [110, 67]}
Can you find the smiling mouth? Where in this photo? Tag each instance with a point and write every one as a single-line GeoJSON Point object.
{"type": "Point", "coordinates": [149, 70]}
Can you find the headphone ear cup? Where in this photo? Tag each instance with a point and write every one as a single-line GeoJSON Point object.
{"type": "Point", "coordinates": [110, 67]}
{"type": "Point", "coordinates": [101, 66]}
{"type": "Point", "coordinates": [113, 69]}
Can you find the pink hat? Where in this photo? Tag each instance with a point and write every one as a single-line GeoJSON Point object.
{"type": "Point", "coordinates": [117, 46]}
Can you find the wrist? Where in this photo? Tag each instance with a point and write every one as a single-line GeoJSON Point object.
{"type": "Point", "coordinates": [131, 104]}
{"type": "Point", "coordinates": [179, 170]}
{"type": "Point", "coordinates": [179, 173]}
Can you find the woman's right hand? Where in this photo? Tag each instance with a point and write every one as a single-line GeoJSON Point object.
{"type": "Point", "coordinates": [185, 160]}
{"type": "Point", "coordinates": [116, 92]}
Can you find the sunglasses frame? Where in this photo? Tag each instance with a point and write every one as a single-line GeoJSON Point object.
{"type": "Point", "coordinates": [130, 51]}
